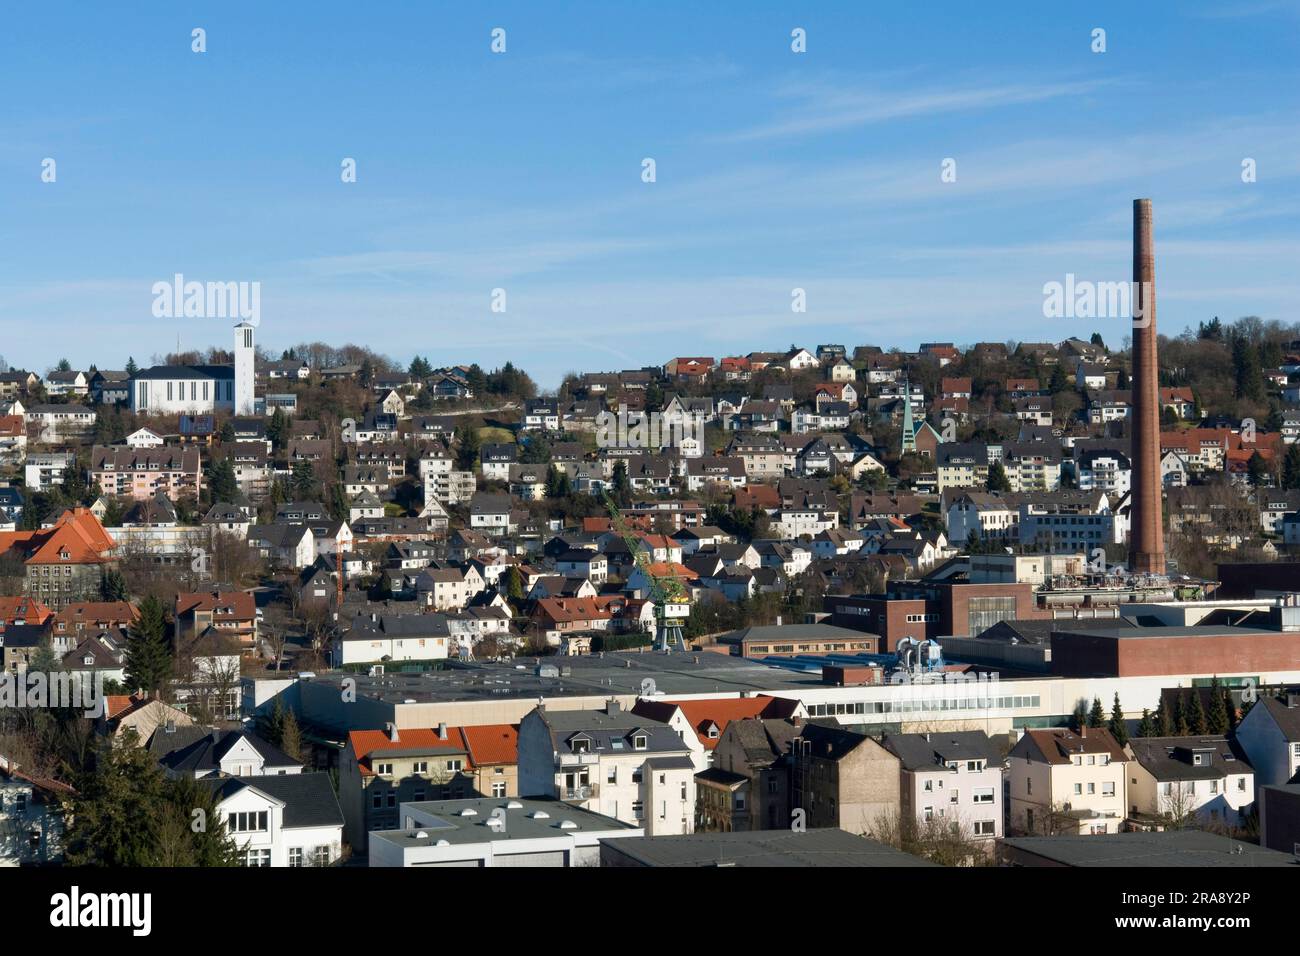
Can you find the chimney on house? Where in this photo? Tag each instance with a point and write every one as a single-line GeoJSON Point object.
{"type": "Point", "coordinates": [442, 731]}
{"type": "Point", "coordinates": [1083, 730]}
{"type": "Point", "coordinates": [392, 732]}
{"type": "Point", "coordinates": [612, 707]}
{"type": "Point", "coordinates": [1146, 536]}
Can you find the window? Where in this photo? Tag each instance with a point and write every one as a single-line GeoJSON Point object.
{"type": "Point", "coordinates": [984, 828]}
{"type": "Point", "coordinates": [1078, 789]}
{"type": "Point", "coordinates": [320, 856]}
{"type": "Point", "coordinates": [1108, 789]}
{"type": "Point", "coordinates": [392, 798]}
{"type": "Point", "coordinates": [499, 788]}
{"type": "Point", "coordinates": [454, 765]}
{"type": "Point", "coordinates": [384, 769]}
{"type": "Point", "coordinates": [954, 797]}
{"type": "Point", "coordinates": [378, 800]}
{"type": "Point", "coordinates": [611, 776]}
{"type": "Point", "coordinates": [1241, 783]}
{"type": "Point", "coordinates": [257, 821]}
{"type": "Point", "coordinates": [637, 808]}
{"type": "Point", "coordinates": [295, 856]}
{"type": "Point", "coordinates": [683, 789]}
{"type": "Point", "coordinates": [581, 745]}
{"type": "Point", "coordinates": [639, 742]}
{"type": "Point", "coordinates": [257, 858]}
{"type": "Point", "coordinates": [983, 795]}
{"type": "Point", "coordinates": [422, 766]}
{"type": "Point", "coordinates": [1214, 786]}
{"type": "Point", "coordinates": [1092, 788]}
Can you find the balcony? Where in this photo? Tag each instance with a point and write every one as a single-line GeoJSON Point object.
{"type": "Point", "coordinates": [579, 760]}
{"type": "Point", "coordinates": [581, 794]}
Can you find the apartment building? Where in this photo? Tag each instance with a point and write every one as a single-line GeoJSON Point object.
{"type": "Point", "coordinates": [611, 761]}
{"type": "Point", "coordinates": [1181, 779]}
{"type": "Point", "coordinates": [955, 777]}
{"type": "Point", "coordinates": [1061, 781]}
{"type": "Point", "coordinates": [380, 769]}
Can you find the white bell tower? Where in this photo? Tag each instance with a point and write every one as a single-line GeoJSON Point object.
{"type": "Point", "coordinates": [244, 369]}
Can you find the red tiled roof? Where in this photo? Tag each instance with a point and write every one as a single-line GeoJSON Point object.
{"type": "Point", "coordinates": [241, 601]}
{"type": "Point", "coordinates": [77, 533]}
{"type": "Point", "coordinates": [492, 744]}
{"type": "Point", "coordinates": [23, 608]}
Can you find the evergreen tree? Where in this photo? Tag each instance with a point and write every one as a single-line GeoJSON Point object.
{"type": "Point", "coordinates": [304, 481]}
{"type": "Point", "coordinates": [468, 445]}
{"type": "Point", "coordinates": [514, 584]}
{"type": "Point", "coordinates": [1195, 710]}
{"type": "Point", "coordinates": [1182, 726]}
{"type": "Point", "coordinates": [291, 736]}
{"type": "Point", "coordinates": [126, 813]}
{"type": "Point", "coordinates": [1118, 728]}
{"type": "Point", "coordinates": [1097, 716]}
{"type": "Point", "coordinates": [148, 656]}
{"type": "Point", "coordinates": [1164, 721]}
{"type": "Point", "coordinates": [113, 586]}
{"type": "Point", "coordinates": [1216, 720]}
{"type": "Point", "coordinates": [1080, 716]}
{"type": "Point", "coordinates": [277, 429]}
{"type": "Point", "coordinates": [1291, 467]}
{"type": "Point", "coordinates": [222, 484]}
{"type": "Point", "coordinates": [131, 367]}
{"type": "Point", "coordinates": [1256, 469]}
{"type": "Point", "coordinates": [998, 480]}
{"type": "Point", "coordinates": [227, 434]}
{"type": "Point", "coordinates": [1147, 726]}
{"type": "Point", "coordinates": [339, 507]}
{"type": "Point", "coordinates": [1230, 708]}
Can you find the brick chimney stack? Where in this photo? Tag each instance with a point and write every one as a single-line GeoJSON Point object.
{"type": "Point", "coordinates": [1146, 535]}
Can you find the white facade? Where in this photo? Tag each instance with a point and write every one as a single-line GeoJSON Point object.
{"type": "Point", "coordinates": [245, 373]}
{"type": "Point", "coordinates": [255, 821]}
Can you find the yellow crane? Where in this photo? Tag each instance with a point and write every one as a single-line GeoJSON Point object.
{"type": "Point", "coordinates": [666, 590]}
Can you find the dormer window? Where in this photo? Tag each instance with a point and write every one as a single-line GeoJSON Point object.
{"type": "Point", "coordinates": [581, 745]}
{"type": "Point", "coordinates": [639, 742]}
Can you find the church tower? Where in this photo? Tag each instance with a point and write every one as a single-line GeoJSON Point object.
{"type": "Point", "coordinates": [244, 369]}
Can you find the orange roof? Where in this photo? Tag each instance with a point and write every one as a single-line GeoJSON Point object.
{"type": "Point", "coordinates": [492, 744]}
{"type": "Point", "coordinates": [22, 608]}
{"type": "Point", "coordinates": [242, 603]}
{"type": "Point", "coordinates": [12, 425]}
{"type": "Point", "coordinates": [660, 541]}
{"type": "Point", "coordinates": [98, 611]}
{"type": "Point", "coordinates": [717, 712]}
{"type": "Point", "coordinates": [664, 569]}
{"type": "Point", "coordinates": [77, 534]}
{"type": "Point", "coordinates": [575, 609]}
{"type": "Point", "coordinates": [757, 496]}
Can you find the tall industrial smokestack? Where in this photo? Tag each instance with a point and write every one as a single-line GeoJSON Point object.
{"type": "Point", "coordinates": [1146, 536]}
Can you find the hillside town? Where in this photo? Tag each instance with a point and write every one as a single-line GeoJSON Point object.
{"type": "Point", "coordinates": [963, 605]}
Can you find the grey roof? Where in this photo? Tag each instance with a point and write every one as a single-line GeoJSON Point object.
{"type": "Point", "coordinates": [522, 821]}
{"type": "Point", "coordinates": [203, 754]}
{"type": "Point", "coordinates": [822, 847]}
{"type": "Point", "coordinates": [308, 798]}
{"type": "Point", "coordinates": [1167, 848]}
{"type": "Point", "coordinates": [1171, 758]}
{"type": "Point", "coordinates": [915, 752]}
{"type": "Point", "coordinates": [610, 733]}
{"type": "Point", "coordinates": [799, 632]}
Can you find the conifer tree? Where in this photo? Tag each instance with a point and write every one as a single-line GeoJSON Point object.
{"type": "Point", "coordinates": [1147, 726]}
{"type": "Point", "coordinates": [148, 656]}
{"type": "Point", "coordinates": [1216, 720]}
{"type": "Point", "coordinates": [1196, 713]}
{"type": "Point", "coordinates": [1117, 727]}
{"type": "Point", "coordinates": [1097, 716]}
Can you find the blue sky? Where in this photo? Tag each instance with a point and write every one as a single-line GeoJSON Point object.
{"type": "Point", "coordinates": [522, 171]}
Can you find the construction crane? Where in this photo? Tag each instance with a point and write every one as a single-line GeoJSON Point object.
{"type": "Point", "coordinates": [666, 590]}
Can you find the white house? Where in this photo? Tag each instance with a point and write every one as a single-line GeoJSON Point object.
{"type": "Point", "coordinates": [612, 762]}
{"type": "Point", "coordinates": [289, 821]}
{"type": "Point", "coordinates": [954, 776]}
{"type": "Point", "coordinates": [1270, 736]}
{"type": "Point", "coordinates": [1202, 777]}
